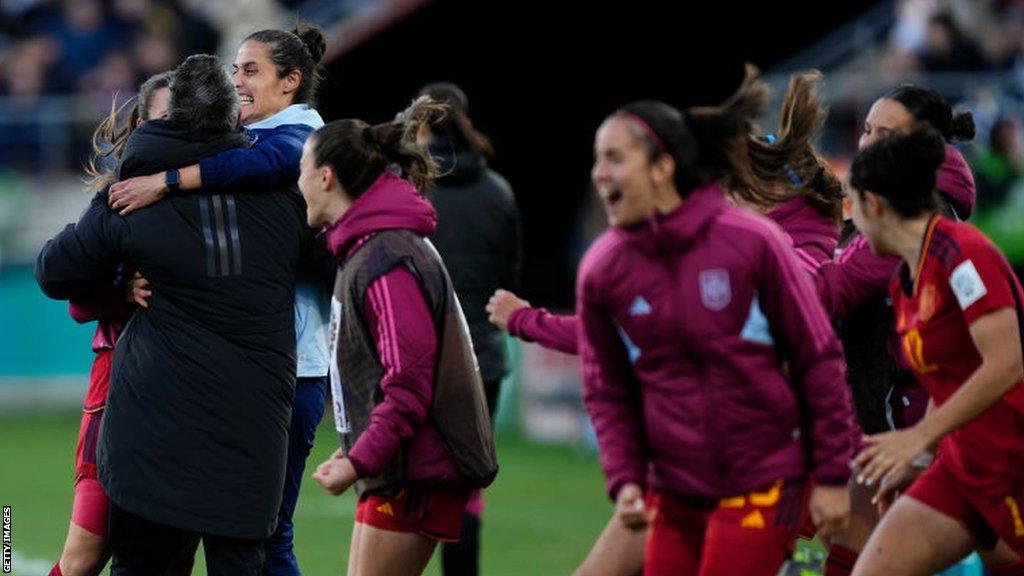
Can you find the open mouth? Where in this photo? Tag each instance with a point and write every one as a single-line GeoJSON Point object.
{"type": "Point", "coordinates": [245, 100]}
{"type": "Point", "coordinates": [613, 197]}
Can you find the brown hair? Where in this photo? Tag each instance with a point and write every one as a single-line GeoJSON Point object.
{"type": "Point", "coordinates": [359, 153]}
{"type": "Point", "coordinates": [456, 128]}
{"type": "Point", "coordinates": [109, 138]}
{"type": "Point", "coordinates": [707, 142]}
{"type": "Point", "coordinates": [786, 165]}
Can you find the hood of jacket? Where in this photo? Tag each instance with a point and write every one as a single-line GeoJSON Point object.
{"type": "Point", "coordinates": [389, 203]}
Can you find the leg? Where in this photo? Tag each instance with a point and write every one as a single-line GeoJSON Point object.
{"type": "Point", "coordinates": [913, 539]}
{"type": "Point", "coordinates": [675, 539]}
{"type": "Point", "coordinates": [387, 553]}
{"type": "Point", "coordinates": [144, 548]}
{"type": "Point", "coordinates": [233, 556]}
{"type": "Point", "coordinates": [1002, 560]}
{"type": "Point", "coordinates": [754, 534]}
{"type": "Point", "coordinates": [846, 545]}
{"type": "Point", "coordinates": [85, 550]}
{"type": "Point", "coordinates": [85, 553]}
{"type": "Point", "coordinates": [462, 558]}
{"type": "Point", "coordinates": [307, 411]}
{"type": "Point", "coordinates": [618, 551]}
{"type": "Point", "coordinates": [357, 541]}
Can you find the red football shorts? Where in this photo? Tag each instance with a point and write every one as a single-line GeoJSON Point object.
{"type": "Point", "coordinates": [92, 414]}
{"type": "Point", "coordinates": [752, 534]}
{"type": "Point", "coordinates": [988, 517]}
{"type": "Point", "coordinates": [430, 511]}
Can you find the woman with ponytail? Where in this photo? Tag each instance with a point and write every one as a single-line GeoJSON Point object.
{"type": "Point", "coordinates": [958, 309]}
{"type": "Point", "coordinates": [886, 395]}
{"type": "Point", "coordinates": [275, 75]}
{"type": "Point", "coordinates": [409, 404]}
{"type": "Point", "coordinates": [85, 549]}
{"type": "Point", "coordinates": [788, 181]}
{"type": "Point", "coordinates": [688, 306]}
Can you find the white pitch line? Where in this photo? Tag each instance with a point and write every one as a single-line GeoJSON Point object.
{"type": "Point", "coordinates": [25, 566]}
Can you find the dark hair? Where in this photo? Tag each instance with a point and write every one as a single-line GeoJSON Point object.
{"type": "Point", "coordinates": [148, 89]}
{"type": "Point", "coordinates": [300, 49]}
{"type": "Point", "coordinates": [901, 169]}
{"type": "Point", "coordinates": [359, 153]}
{"type": "Point", "coordinates": [203, 96]}
{"type": "Point", "coordinates": [927, 105]}
{"type": "Point", "coordinates": [708, 142]}
{"type": "Point", "coordinates": [109, 138]}
{"type": "Point", "coordinates": [786, 165]}
{"type": "Point", "coordinates": [455, 127]}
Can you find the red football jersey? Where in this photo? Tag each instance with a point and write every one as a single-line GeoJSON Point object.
{"type": "Point", "coordinates": [961, 277]}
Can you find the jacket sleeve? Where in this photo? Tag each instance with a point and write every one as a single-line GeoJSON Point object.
{"type": "Point", "coordinates": [101, 303]}
{"type": "Point", "coordinates": [611, 392]}
{"type": "Point", "coordinates": [272, 162]}
{"type": "Point", "coordinates": [84, 254]}
{"type": "Point", "coordinates": [856, 276]}
{"type": "Point", "coordinates": [554, 331]}
{"type": "Point", "coordinates": [814, 357]}
{"type": "Point", "coordinates": [408, 356]}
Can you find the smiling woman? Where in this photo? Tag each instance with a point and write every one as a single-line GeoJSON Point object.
{"type": "Point", "coordinates": [275, 76]}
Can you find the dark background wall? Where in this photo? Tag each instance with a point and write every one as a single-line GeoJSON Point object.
{"type": "Point", "coordinates": [542, 75]}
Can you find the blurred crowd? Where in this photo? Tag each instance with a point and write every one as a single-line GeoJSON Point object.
{"type": "Point", "coordinates": [95, 49]}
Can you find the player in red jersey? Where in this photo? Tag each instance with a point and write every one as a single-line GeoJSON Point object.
{"type": "Point", "coordinates": [958, 316]}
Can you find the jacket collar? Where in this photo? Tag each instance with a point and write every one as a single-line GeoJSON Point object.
{"type": "Point", "coordinates": [294, 114]}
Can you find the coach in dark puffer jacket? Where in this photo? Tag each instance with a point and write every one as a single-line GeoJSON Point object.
{"type": "Point", "coordinates": [194, 438]}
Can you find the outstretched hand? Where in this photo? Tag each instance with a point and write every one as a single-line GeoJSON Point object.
{"type": "Point", "coordinates": [501, 306]}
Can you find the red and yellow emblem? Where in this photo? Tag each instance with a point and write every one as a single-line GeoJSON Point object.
{"type": "Point", "coordinates": [926, 303]}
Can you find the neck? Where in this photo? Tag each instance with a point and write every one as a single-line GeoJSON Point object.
{"type": "Point", "coordinates": [668, 201]}
{"type": "Point", "coordinates": [336, 207]}
{"type": "Point", "coordinates": [907, 239]}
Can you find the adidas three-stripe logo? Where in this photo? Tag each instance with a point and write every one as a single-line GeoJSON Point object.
{"type": "Point", "coordinates": [220, 235]}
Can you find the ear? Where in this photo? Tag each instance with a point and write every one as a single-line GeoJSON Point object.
{"type": "Point", "coordinates": [327, 178]}
{"type": "Point", "coordinates": [874, 203]}
{"type": "Point", "coordinates": [290, 83]}
{"type": "Point", "coordinates": [663, 169]}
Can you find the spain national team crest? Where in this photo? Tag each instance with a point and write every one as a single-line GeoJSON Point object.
{"type": "Point", "coordinates": [926, 303]}
{"type": "Point", "coordinates": [715, 291]}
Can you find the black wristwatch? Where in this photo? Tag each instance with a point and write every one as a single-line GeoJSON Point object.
{"type": "Point", "coordinates": [172, 178]}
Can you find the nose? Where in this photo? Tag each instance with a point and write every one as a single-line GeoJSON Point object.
{"type": "Point", "coordinates": [599, 172]}
{"type": "Point", "coordinates": [236, 77]}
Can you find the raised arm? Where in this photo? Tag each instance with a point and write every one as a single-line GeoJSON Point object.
{"type": "Point", "coordinates": [271, 162]}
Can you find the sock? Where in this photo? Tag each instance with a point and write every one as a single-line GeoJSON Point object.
{"type": "Point", "coordinates": [462, 558]}
{"type": "Point", "coordinates": [840, 561]}
{"type": "Point", "coordinates": [1010, 569]}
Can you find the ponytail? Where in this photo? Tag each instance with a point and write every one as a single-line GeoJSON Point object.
{"type": "Point", "coordinates": [359, 153]}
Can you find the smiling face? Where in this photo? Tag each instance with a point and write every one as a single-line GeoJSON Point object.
{"type": "Point", "coordinates": [312, 180]}
{"type": "Point", "coordinates": [885, 117]}
{"type": "Point", "coordinates": [625, 180]}
{"type": "Point", "coordinates": [261, 93]}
